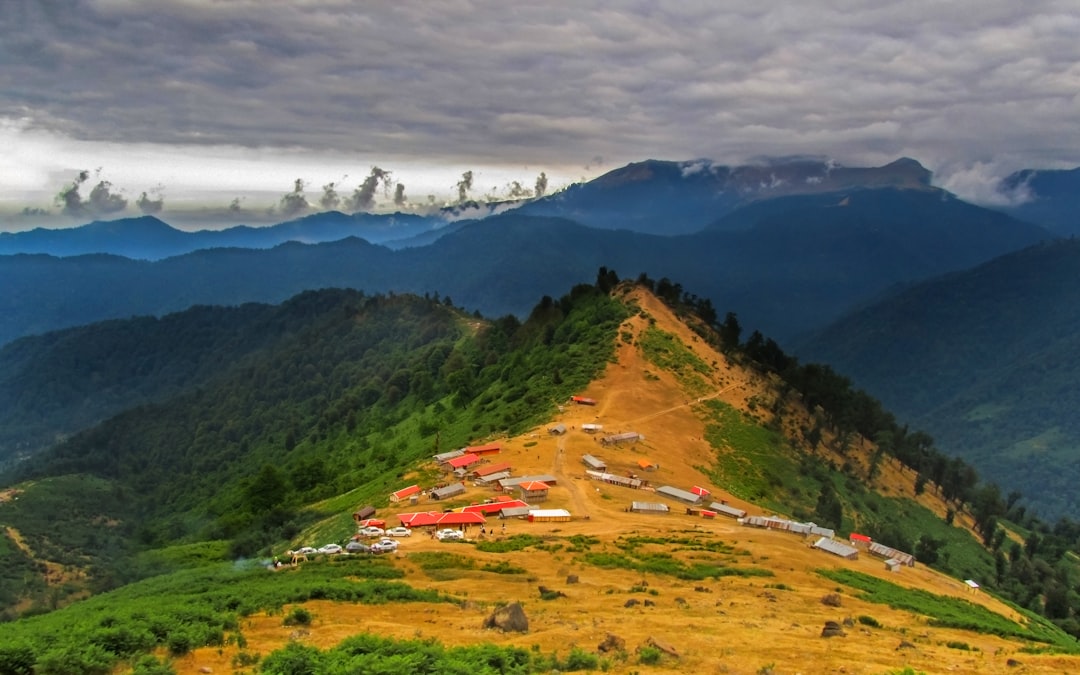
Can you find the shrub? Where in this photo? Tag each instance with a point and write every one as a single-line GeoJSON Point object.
{"type": "Point", "coordinates": [832, 600]}
{"type": "Point", "coordinates": [869, 621]}
{"type": "Point", "coordinates": [298, 617]}
{"type": "Point", "coordinates": [579, 659]}
{"type": "Point", "coordinates": [150, 665]}
{"type": "Point", "coordinates": [649, 656]}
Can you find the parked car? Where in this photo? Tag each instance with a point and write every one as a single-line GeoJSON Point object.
{"type": "Point", "coordinates": [330, 549]}
{"type": "Point", "coordinates": [384, 546]}
{"type": "Point", "coordinates": [399, 532]}
{"type": "Point", "coordinates": [445, 535]}
{"type": "Point", "coordinates": [307, 550]}
{"type": "Point", "coordinates": [372, 531]}
{"type": "Point", "coordinates": [357, 547]}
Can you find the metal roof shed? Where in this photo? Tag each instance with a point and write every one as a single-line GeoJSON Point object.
{"type": "Point", "coordinates": [444, 456]}
{"type": "Point", "coordinates": [837, 548]}
{"type": "Point", "coordinates": [451, 490]}
{"type": "Point", "coordinates": [726, 510]}
{"type": "Point", "coordinates": [648, 507]}
{"type": "Point", "coordinates": [677, 493]}
{"type": "Point", "coordinates": [515, 512]}
{"type": "Point", "coordinates": [493, 478]}
{"type": "Point", "coordinates": [548, 515]}
{"type": "Point", "coordinates": [594, 463]}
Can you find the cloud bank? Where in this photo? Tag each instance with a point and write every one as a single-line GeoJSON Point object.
{"type": "Point", "coordinates": [970, 83]}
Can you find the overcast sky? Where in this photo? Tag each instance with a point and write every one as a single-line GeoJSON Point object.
{"type": "Point", "coordinates": [202, 102]}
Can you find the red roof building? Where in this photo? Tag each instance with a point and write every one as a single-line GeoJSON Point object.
{"type": "Point", "coordinates": [489, 449]}
{"type": "Point", "coordinates": [440, 519]}
{"type": "Point", "coordinates": [860, 540]}
{"type": "Point", "coordinates": [482, 471]}
{"type": "Point", "coordinates": [405, 493]}
{"type": "Point", "coordinates": [533, 491]}
{"type": "Point", "coordinates": [493, 507]}
{"type": "Point", "coordinates": [583, 400]}
{"type": "Point", "coordinates": [465, 460]}
{"type": "Point", "coordinates": [700, 491]}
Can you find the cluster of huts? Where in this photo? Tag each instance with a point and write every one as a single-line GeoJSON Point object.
{"type": "Point", "coordinates": [827, 541]}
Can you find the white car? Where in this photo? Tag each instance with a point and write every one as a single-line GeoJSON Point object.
{"type": "Point", "coordinates": [384, 546]}
{"type": "Point", "coordinates": [445, 535]}
{"type": "Point", "coordinates": [399, 532]}
{"type": "Point", "coordinates": [307, 550]}
{"type": "Point", "coordinates": [330, 549]}
{"type": "Point", "coordinates": [372, 531]}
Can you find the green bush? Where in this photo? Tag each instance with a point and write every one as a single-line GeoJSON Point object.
{"type": "Point", "coordinates": [649, 656]}
{"type": "Point", "coordinates": [869, 621]}
{"type": "Point", "coordinates": [579, 659]}
{"type": "Point", "coordinates": [298, 617]}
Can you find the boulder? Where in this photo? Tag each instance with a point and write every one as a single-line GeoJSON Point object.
{"type": "Point", "coordinates": [508, 619]}
{"type": "Point", "coordinates": [612, 643]}
{"type": "Point", "coordinates": [665, 647]}
{"type": "Point", "coordinates": [831, 629]}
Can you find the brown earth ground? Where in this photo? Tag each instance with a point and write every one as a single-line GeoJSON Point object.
{"type": "Point", "coordinates": [731, 625]}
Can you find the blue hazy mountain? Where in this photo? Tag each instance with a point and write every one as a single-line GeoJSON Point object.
{"type": "Point", "coordinates": [671, 198]}
{"type": "Point", "coordinates": [791, 265]}
{"type": "Point", "coordinates": [149, 238]}
{"type": "Point", "coordinates": [986, 360]}
{"type": "Point", "coordinates": [1050, 198]}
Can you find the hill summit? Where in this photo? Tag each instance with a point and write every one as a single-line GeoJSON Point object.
{"type": "Point", "coordinates": [646, 575]}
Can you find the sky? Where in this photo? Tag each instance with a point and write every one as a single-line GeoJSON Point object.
{"type": "Point", "coordinates": [216, 108]}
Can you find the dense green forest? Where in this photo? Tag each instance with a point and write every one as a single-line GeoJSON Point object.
{"type": "Point", "coordinates": [353, 389]}
{"type": "Point", "coordinates": [986, 360]}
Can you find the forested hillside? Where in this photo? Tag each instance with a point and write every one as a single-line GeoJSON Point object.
{"type": "Point", "coordinates": [986, 361]}
{"type": "Point", "coordinates": [353, 388]}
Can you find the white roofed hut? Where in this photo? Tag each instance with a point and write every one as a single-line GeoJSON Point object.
{"type": "Point", "coordinates": [549, 516]}
{"type": "Point", "coordinates": [729, 511]}
{"type": "Point", "coordinates": [837, 548]}
{"type": "Point", "coordinates": [487, 481]}
{"type": "Point", "coordinates": [452, 490]}
{"type": "Point", "coordinates": [444, 456]}
{"type": "Point", "coordinates": [649, 507]}
{"type": "Point", "coordinates": [515, 512]}
{"type": "Point", "coordinates": [621, 481]}
{"type": "Point", "coordinates": [889, 553]}
{"type": "Point", "coordinates": [678, 493]}
{"type": "Point", "coordinates": [594, 463]}
{"type": "Point", "coordinates": [557, 429]}
{"type": "Point", "coordinates": [590, 428]}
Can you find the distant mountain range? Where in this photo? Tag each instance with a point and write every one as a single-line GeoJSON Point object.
{"type": "Point", "coordinates": [148, 238]}
{"type": "Point", "coordinates": [785, 265]}
{"type": "Point", "coordinates": [1047, 198]}
{"type": "Point", "coordinates": [987, 361]}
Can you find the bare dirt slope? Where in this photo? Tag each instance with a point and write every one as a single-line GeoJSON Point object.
{"type": "Point", "coordinates": [731, 625]}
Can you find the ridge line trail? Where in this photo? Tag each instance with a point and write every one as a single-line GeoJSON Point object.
{"type": "Point", "coordinates": [699, 399]}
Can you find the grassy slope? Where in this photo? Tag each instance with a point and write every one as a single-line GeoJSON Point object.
{"type": "Point", "coordinates": [733, 585]}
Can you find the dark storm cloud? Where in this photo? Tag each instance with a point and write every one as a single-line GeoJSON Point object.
{"type": "Point", "coordinates": [485, 81]}
{"type": "Point", "coordinates": [464, 186]}
{"type": "Point", "coordinates": [149, 205]}
{"type": "Point", "coordinates": [363, 198]}
{"type": "Point", "coordinates": [102, 200]}
{"type": "Point", "coordinates": [294, 203]}
{"type": "Point", "coordinates": [399, 195]}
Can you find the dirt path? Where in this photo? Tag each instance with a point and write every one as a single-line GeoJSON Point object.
{"type": "Point", "coordinates": [566, 480]}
